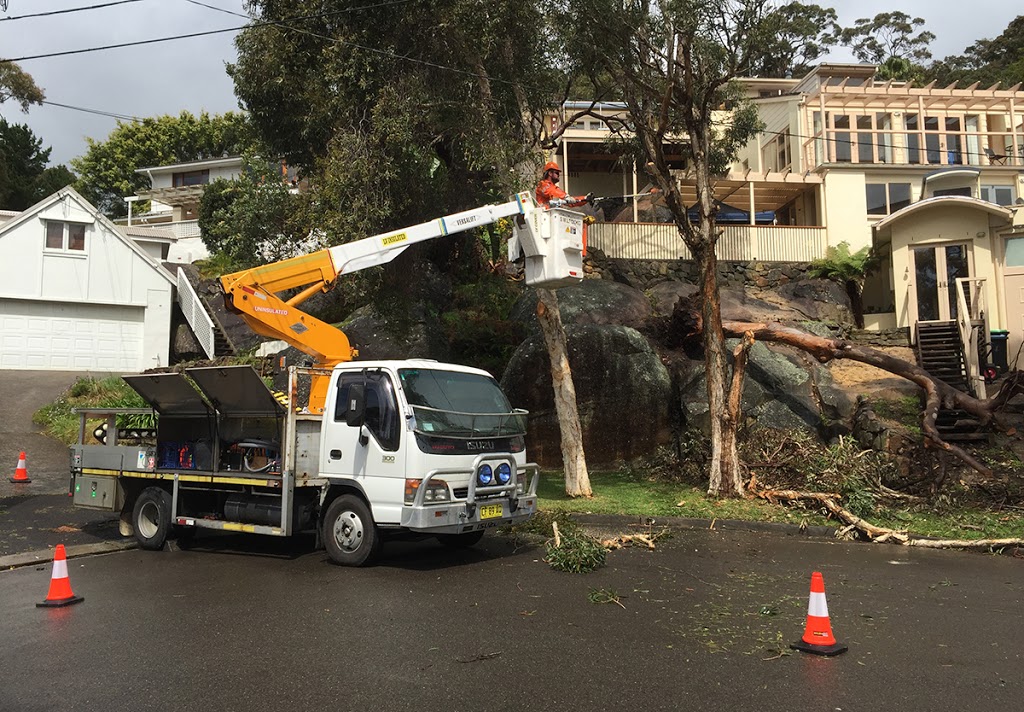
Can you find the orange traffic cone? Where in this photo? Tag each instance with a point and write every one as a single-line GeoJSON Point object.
{"type": "Point", "coordinates": [818, 638]}
{"type": "Point", "coordinates": [21, 471]}
{"type": "Point", "coordinates": [60, 586]}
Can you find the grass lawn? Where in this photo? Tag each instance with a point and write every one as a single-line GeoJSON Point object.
{"type": "Point", "coordinates": [627, 493]}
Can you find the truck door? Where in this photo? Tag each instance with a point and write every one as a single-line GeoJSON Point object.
{"type": "Point", "coordinates": [379, 464]}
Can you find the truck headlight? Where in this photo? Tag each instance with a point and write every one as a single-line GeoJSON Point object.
{"type": "Point", "coordinates": [504, 473]}
{"type": "Point", "coordinates": [485, 475]}
{"type": "Point", "coordinates": [436, 491]}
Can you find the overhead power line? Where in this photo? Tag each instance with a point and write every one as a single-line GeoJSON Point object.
{"type": "Point", "coordinates": [62, 12]}
{"type": "Point", "coordinates": [98, 112]}
{"type": "Point", "coordinates": [122, 44]}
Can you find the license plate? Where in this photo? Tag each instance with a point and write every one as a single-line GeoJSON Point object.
{"type": "Point", "coordinates": [490, 511]}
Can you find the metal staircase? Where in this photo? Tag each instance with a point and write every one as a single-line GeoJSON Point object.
{"type": "Point", "coordinates": [941, 353]}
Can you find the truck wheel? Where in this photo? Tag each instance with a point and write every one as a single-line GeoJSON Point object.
{"type": "Point", "coordinates": [349, 532]}
{"type": "Point", "coordinates": [151, 518]}
{"type": "Point", "coordinates": [461, 541]}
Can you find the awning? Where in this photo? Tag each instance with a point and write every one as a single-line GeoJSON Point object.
{"type": "Point", "coordinates": [772, 190]}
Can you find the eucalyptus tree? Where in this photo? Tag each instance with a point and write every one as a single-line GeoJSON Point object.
{"type": "Point", "coordinates": [672, 63]}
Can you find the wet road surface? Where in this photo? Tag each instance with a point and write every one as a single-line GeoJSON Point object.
{"type": "Point", "coordinates": [240, 623]}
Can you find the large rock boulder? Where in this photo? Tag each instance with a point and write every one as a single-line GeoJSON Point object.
{"type": "Point", "coordinates": [623, 392]}
{"type": "Point", "coordinates": [418, 334]}
{"type": "Point", "coordinates": [784, 389]}
{"type": "Point", "coordinates": [813, 300]}
{"type": "Point", "coordinates": [592, 301]}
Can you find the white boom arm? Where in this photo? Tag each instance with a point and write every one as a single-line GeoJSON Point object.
{"type": "Point", "coordinates": [381, 249]}
{"type": "Point", "coordinates": [551, 240]}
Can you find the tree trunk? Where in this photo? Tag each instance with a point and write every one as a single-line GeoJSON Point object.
{"type": "Point", "coordinates": [577, 480]}
{"type": "Point", "coordinates": [722, 467]}
{"type": "Point", "coordinates": [734, 413]}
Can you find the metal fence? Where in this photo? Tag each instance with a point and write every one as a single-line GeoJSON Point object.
{"type": "Point", "coordinates": [739, 243]}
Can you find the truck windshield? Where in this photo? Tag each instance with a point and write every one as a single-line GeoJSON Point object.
{"type": "Point", "coordinates": [459, 405]}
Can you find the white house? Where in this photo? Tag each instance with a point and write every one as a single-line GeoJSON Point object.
{"type": "Point", "coordinates": [77, 293]}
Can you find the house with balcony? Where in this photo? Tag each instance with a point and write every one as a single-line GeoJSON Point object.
{"type": "Point", "coordinates": [931, 177]}
{"type": "Point", "coordinates": [174, 194]}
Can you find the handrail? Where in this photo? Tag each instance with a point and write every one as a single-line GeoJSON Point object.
{"type": "Point", "coordinates": [971, 313]}
{"type": "Point", "coordinates": [195, 314]}
{"type": "Point", "coordinates": [738, 243]}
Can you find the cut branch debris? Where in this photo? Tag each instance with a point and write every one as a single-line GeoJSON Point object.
{"type": "Point", "coordinates": [874, 533]}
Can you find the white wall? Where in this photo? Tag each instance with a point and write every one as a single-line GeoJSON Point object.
{"type": "Point", "coordinates": [938, 225]}
{"type": "Point", "coordinates": [108, 271]}
{"type": "Point", "coordinates": [846, 209]}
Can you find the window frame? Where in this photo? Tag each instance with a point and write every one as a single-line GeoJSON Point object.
{"type": "Point", "coordinates": [67, 237]}
{"type": "Point", "coordinates": [889, 201]}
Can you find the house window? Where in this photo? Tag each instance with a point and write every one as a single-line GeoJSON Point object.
{"type": "Point", "coordinates": [782, 155]}
{"type": "Point", "coordinates": [69, 237]}
{"type": "Point", "coordinates": [181, 180]}
{"type": "Point", "coordinates": [887, 198]}
{"type": "Point", "coordinates": [998, 194]}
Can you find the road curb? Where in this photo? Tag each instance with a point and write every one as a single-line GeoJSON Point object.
{"type": "Point", "coordinates": [45, 556]}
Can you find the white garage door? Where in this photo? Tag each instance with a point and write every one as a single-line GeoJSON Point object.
{"type": "Point", "coordinates": [70, 337]}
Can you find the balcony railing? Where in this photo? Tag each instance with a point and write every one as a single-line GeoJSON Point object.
{"type": "Point", "coordinates": [902, 147]}
{"type": "Point", "coordinates": [738, 243]}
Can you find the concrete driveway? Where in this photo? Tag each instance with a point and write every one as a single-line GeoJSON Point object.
{"type": "Point", "coordinates": [37, 516]}
{"type": "Point", "coordinates": [22, 393]}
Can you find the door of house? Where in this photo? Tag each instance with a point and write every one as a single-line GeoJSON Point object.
{"type": "Point", "coordinates": [1013, 288]}
{"type": "Point", "coordinates": [936, 268]}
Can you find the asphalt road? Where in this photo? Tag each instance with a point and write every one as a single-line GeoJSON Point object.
{"type": "Point", "coordinates": [257, 624]}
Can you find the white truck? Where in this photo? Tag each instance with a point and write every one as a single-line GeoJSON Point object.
{"type": "Point", "coordinates": [354, 449]}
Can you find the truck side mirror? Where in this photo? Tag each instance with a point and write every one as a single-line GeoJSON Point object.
{"type": "Point", "coordinates": [355, 416]}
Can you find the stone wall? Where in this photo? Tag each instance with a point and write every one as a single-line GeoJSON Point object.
{"type": "Point", "coordinates": [644, 274]}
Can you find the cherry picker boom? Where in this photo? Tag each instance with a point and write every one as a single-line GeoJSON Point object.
{"type": "Point", "coordinates": [551, 240]}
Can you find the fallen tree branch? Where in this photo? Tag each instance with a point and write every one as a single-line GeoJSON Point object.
{"type": "Point", "coordinates": [937, 393]}
{"type": "Point", "coordinates": [876, 534]}
{"type": "Point", "coordinates": [628, 539]}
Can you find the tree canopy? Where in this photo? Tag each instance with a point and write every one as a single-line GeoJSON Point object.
{"type": "Point", "coordinates": [794, 36]}
{"type": "Point", "coordinates": [887, 34]}
{"type": "Point", "coordinates": [394, 113]}
{"type": "Point", "coordinates": [107, 171]}
{"type": "Point", "coordinates": [25, 178]}
{"type": "Point", "coordinates": [986, 61]}
{"type": "Point", "coordinates": [17, 84]}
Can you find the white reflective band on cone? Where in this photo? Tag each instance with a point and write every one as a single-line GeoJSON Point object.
{"type": "Point", "coordinates": [60, 569]}
{"type": "Point", "coordinates": [816, 606]}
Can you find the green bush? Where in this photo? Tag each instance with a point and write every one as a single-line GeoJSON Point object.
{"type": "Point", "coordinates": [112, 392]}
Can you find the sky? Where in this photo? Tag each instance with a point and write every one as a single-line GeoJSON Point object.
{"type": "Point", "coordinates": [189, 74]}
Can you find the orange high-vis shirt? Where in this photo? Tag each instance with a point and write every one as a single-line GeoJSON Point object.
{"type": "Point", "coordinates": [547, 191]}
